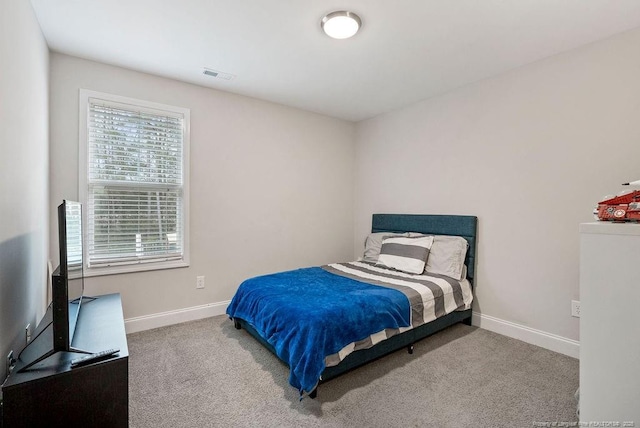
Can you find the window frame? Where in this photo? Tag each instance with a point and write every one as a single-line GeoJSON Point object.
{"type": "Point", "coordinates": [83, 182]}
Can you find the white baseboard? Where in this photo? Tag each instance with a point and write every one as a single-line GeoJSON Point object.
{"type": "Point", "coordinates": [507, 328]}
{"type": "Point", "coordinates": [147, 322]}
{"type": "Point", "coordinates": [540, 338]}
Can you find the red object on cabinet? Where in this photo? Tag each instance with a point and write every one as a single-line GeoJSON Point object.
{"type": "Point", "coordinates": [620, 208]}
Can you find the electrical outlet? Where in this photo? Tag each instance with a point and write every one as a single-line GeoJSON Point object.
{"type": "Point", "coordinates": [27, 332]}
{"type": "Point", "coordinates": [199, 281]}
{"type": "Point", "coordinates": [575, 308]}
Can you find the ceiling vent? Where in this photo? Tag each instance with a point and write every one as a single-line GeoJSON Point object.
{"type": "Point", "coordinates": [218, 74]}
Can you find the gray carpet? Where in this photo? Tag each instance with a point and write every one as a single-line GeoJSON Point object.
{"type": "Point", "coordinates": [207, 374]}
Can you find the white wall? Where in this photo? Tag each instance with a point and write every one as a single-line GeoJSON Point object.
{"type": "Point", "coordinates": [24, 185]}
{"type": "Point", "coordinates": [271, 186]}
{"type": "Point", "coordinates": [530, 153]}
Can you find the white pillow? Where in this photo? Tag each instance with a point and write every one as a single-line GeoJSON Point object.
{"type": "Point", "coordinates": [447, 255]}
{"type": "Point", "coordinates": [405, 254]}
{"type": "Point", "coordinates": [373, 243]}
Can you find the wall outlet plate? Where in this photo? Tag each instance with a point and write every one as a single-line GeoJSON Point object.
{"type": "Point", "coordinates": [199, 281]}
{"type": "Point", "coordinates": [575, 308]}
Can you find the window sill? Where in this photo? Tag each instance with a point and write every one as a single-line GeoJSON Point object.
{"type": "Point", "coordinates": [133, 268]}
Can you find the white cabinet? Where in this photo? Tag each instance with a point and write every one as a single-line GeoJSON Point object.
{"type": "Point", "coordinates": [609, 324]}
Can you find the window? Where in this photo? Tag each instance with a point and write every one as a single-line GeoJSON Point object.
{"type": "Point", "coordinates": [133, 183]}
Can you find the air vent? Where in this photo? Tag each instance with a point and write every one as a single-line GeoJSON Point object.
{"type": "Point", "coordinates": [218, 74]}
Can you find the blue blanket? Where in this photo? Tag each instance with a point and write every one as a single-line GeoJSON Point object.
{"type": "Point", "coordinates": [308, 314]}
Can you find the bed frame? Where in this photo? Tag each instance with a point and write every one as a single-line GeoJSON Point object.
{"type": "Point", "coordinates": [465, 226]}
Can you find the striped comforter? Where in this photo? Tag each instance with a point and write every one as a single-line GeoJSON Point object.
{"type": "Point", "coordinates": [430, 297]}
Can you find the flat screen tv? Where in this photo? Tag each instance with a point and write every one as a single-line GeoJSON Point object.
{"type": "Point", "coordinates": [67, 280]}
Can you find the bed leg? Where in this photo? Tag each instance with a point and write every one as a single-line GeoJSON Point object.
{"type": "Point", "coordinates": [467, 321]}
{"type": "Point", "coordinates": [313, 394]}
{"type": "Point", "coordinates": [410, 349]}
{"type": "Point", "coordinates": [236, 324]}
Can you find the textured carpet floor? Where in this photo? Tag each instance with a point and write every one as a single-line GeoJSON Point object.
{"type": "Point", "coordinates": [207, 374]}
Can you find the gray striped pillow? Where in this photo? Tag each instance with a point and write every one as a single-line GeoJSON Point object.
{"type": "Point", "coordinates": [405, 254]}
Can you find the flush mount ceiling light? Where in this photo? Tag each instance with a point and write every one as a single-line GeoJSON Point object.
{"type": "Point", "coordinates": [341, 24]}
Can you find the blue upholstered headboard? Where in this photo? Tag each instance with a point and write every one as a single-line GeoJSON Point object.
{"type": "Point", "coordinates": [458, 225]}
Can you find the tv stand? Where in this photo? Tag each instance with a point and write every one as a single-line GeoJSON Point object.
{"type": "Point", "coordinates": [51, 393]}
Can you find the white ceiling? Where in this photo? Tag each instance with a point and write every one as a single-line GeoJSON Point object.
{"type": "Point", "coordinates": [406, 51]}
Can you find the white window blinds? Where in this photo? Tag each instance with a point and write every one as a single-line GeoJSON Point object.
{"type": "Point", "coordinates": [135, 184]}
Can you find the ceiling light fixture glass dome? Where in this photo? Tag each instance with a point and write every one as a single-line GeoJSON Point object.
{"type": "Point", "coordinates": [341, 24]}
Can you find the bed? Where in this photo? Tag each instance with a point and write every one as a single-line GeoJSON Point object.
{"type": "Point", "coordinates": [324, 321]}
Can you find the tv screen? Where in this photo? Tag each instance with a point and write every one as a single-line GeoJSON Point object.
{"type": "Point", "coordinates": [71, 262]}
{"type": "Point", "coordinates": [68, 282]}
